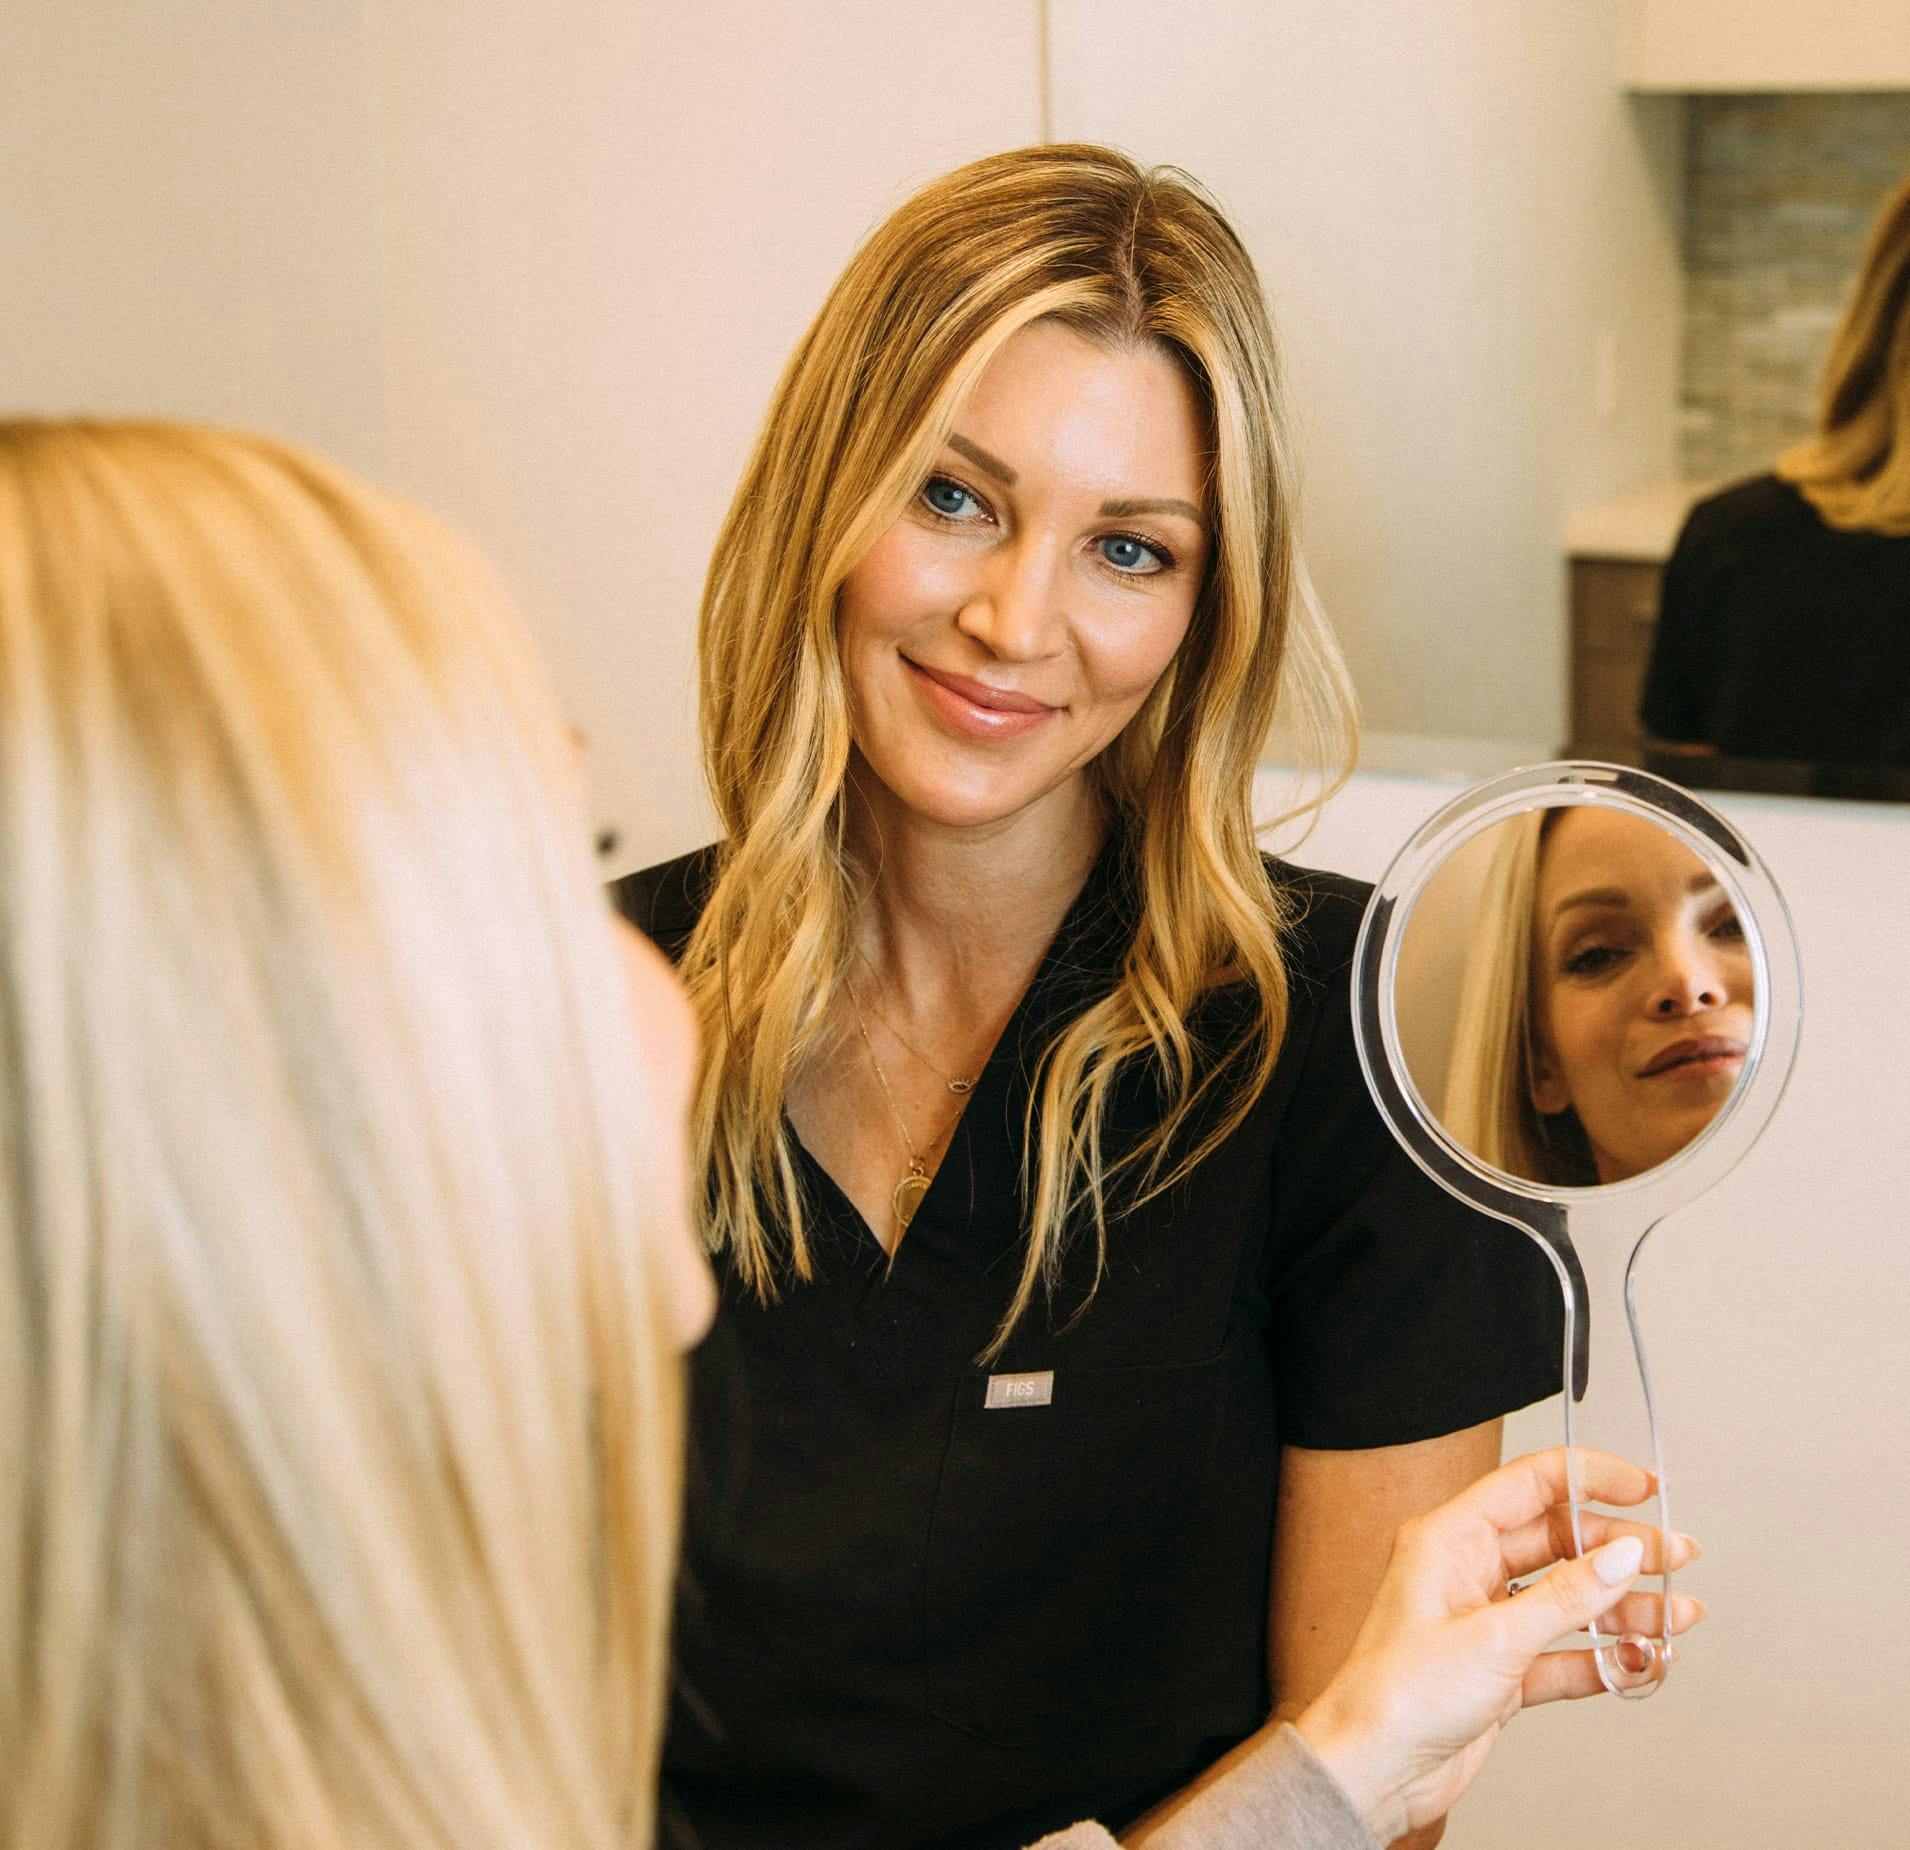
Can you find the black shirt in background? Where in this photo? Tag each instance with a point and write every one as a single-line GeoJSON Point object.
{"type": "Point", "coordinates": [909, 1619]}
{"type": "Point", "coordinates": [1780, 636]}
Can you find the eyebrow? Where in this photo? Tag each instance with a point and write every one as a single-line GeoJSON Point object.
{"type": "Point", "coordinates": [1617, 897]}
{"type": "Point", "coordinates": [991, 464]}
{"type": "Point", "coordinates": [988, 464]}
{"type": "Point", "coordinates": [1122, 510]}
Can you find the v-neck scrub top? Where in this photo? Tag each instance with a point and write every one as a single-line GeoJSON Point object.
{"type": "Point", "coordinates": [920, 1610]}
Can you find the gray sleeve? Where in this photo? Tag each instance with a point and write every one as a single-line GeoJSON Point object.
{"type": "Point", "coordinates": [1278, 1798]}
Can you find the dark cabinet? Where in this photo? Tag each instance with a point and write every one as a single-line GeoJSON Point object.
{"type": "Point", "coordinates": [1614, 610]}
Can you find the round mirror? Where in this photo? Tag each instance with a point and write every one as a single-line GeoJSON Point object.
{"type": "Point", "coordinates": [1576, 1000]}
{"type": "Point", "coordinates": [1575, 996]}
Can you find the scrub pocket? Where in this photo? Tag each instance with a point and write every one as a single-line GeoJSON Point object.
{"type": "Point", "coordinates": [1098, 1565]}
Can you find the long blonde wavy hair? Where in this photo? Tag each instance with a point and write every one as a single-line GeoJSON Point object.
{"type": "Point", "coordinates": [1856, 470]}
{"type": "Point", "coordinates": [1121, 254]}
{"type": "Point", "coordinates": [1487, 1106]}
{"type": "Point", "coordinates": [337, 1421]}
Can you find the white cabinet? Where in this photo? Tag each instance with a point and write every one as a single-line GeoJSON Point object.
{"type": "Point", "coordinates": [1766, 44]}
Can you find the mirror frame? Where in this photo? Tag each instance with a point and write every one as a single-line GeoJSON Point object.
{"type": "Point", "coordinates": [1775, 973]}
{"type": "Point", "coordinates": [1546, 1211]}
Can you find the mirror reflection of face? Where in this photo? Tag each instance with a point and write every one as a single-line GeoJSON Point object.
{"type": "Point", "coordinates": [1001, 633]}
{"type": "Point", "coordinates": [1642, 990]}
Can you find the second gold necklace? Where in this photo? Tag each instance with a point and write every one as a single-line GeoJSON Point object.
{"type": "Point", "coordinates": [907, 1194]}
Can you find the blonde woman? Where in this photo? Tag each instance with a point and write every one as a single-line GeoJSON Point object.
{"type": "Point", "coordinates": [343, 1242]}
{"type": "Point", "coordinates": [1075, 1293]}
{"type": "Point", "coordinates": [1781, 625]}
{"type": "Point", "coordinates": [1607, 1005]}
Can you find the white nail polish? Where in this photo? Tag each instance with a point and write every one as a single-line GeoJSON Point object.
{"type": "Point", "coordinates": [1618, 1561]}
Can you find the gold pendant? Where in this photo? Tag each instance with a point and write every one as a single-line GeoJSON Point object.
{"type": "Point", "coordinates": [960, 1087]}
{"type": "Point", "coordinates": [908, 1195]}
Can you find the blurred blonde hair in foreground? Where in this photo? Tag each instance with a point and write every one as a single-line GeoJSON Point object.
{"type": "Point", "coordinates": [337, 1419]}
{"type": "Point", "coordinates": [1856, 470]}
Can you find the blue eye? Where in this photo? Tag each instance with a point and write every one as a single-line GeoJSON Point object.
{"type": "Point", "coordinates": [949, 499]}
{"type": "Point", "coordinates": [1132, 557]}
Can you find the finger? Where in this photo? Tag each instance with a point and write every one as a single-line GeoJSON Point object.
{"type": "Point", "coordinates": [1643, 1612]}
{"type": "Point", "coordinates": [1519, 1492]}
{"type": "Point", "coordinates": [1548, 1538]}
{"type": "Point", "coordinates": [1567, 1599]}
{"type": "Point", "coordinates": [1567, 1676]}
{"type": "Point", "coordinates": [1557, 1522]}
{"type": "Point", "coordinates": [1561, 1676]}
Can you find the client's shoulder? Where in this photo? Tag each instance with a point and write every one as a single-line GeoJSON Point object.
{"type": "Point", "coordinates": [665, 901]}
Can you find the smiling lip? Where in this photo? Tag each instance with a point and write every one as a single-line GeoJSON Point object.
{"type": "Point", "coordinates": [1708, 1054]}
{"type": "Point", "coordinates": [976, 710]}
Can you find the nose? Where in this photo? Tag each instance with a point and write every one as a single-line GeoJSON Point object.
{"type": "Point", "coordinates": [1689, 980]}
{"type": "Point", "coordinates": [1014, 609]}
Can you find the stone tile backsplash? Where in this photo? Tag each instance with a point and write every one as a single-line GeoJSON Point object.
{"type": "Point", "coordinates": [1780, 191]}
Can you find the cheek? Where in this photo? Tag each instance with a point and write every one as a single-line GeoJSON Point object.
{"type": "Point", "coordinates": [1614, 1049]}
{"type": "Point", "coordinates": [896, 585]}
{"type": "Point", "coordinates": [1124, 652]}
{"type": "Point", "coordinates": [1585, 1042]}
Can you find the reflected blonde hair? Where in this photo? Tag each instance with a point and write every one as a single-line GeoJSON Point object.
{"type": "Point", "coordinates": [337, 1420]}
{"type": "Point", "coordinates": [1121, 254]}
{"type": "Point", "coordinates": [1487, 1105]}
{"type": "Point", "coordinates": [1856, 470]}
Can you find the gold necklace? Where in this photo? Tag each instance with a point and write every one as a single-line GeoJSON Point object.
{"type": "Point", "coordinates": [960, 1087]}
{"type": "Point", "coordinates": [907, 1194]}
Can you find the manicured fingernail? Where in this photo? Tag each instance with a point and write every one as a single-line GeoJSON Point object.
{"type": "Point", "coordinates": [1618, 1561]}
{"type": "Point", "coordinates": [1692, 1549]}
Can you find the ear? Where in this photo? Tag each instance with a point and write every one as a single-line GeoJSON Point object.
{"type": "Point", "coordinates": [1547, 1089]}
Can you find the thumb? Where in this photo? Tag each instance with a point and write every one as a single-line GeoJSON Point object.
{"type": "Point", "coordinates": [1571, 1596]}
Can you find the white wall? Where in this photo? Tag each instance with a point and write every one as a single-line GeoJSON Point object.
{"type": "Point", "coordinates": [1775, 1315]}
{"type": "Point", "coordinates": [186, 222]}
{"type": "Point", "coordinates": [1469, 236]}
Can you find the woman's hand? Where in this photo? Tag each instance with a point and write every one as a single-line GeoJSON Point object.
{"type": "Point", "coordinates": [1445, 1660]}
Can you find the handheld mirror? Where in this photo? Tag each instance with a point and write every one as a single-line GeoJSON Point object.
{"type": "Point", "coordinates": [1576, 1001]}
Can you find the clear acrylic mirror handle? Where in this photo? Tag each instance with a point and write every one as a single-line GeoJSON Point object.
{"type": "Point", "coordinates": [1631, 1664]}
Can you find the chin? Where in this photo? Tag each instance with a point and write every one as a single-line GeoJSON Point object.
{"type": "Point", "coordinates": [959, 808]}
{"type": "Point", "coordinates": [954, 791]}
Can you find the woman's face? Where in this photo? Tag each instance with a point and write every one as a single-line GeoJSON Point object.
{"type": "Point", "coordinates": [1644, 988]}
{"type": "Point", "coordinates": [1001, 633]}
{"type": "Point", "coordinates": [666, 1043]}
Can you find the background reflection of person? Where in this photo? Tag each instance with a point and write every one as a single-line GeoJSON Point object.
{"type": "Point", "coordinates": [1782, 626]}
{"type": "Point", "coordinates": [1606, 1007]}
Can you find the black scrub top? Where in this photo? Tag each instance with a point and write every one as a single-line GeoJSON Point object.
{"type": "Point", "coordinates": [909, 1617]}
